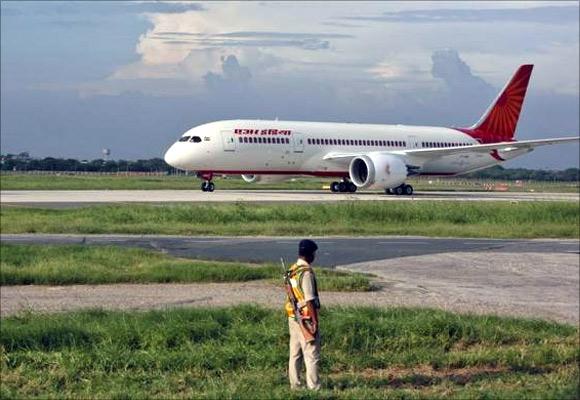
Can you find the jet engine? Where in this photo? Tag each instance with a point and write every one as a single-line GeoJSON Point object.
{"type": "Point", "coordinates": [265, 178]}
{"type": "Point", "coordinates": [377, 171]}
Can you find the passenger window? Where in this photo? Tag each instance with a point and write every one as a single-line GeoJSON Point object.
{"type": "Point", "coordinates": [184, 138]}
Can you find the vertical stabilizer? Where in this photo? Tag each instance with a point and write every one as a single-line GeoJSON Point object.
{"type": "Point", "coordinates": [498, 123]}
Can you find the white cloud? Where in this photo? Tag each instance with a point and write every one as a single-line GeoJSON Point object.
{"type": "Point", "coordinates": [285, 41]}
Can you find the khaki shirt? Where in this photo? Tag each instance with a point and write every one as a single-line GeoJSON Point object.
{"type": "Point", "coordinates": [308, 283]}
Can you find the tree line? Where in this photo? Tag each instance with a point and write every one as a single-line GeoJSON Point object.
{"type": "Point", "coordinates": [23, 162]}
{"type": "Point", "coordinates": [11, 162]}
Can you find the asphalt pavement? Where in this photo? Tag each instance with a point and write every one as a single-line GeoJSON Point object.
{"type": "Point", "coordinates": [333, 251]}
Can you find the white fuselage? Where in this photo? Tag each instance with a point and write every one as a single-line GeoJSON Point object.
{"type": "Point", "coordinates": [299, 148]}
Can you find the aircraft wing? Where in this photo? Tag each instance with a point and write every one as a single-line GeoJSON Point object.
{"type": "Point", "coordinates": [432, 153]}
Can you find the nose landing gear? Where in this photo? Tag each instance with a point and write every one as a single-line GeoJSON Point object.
{"type": "Point", "coordinates": [344, 186]}
{"type": "Point", "coordinates": [207, 185]}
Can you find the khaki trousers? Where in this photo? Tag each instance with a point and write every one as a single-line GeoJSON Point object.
{"type": "Point", "coordinates": [303, 353]}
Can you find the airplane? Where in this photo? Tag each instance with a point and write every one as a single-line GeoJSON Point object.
{"type": "Point", "coordinates": [360, 155]}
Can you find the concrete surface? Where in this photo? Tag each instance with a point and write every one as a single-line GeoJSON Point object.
{"type": "Point", "coordinates": [531, 278]}
{"type": "Point", "coordinates": [530, 285]}
{"type": "Point", "coordinates": [63, 198]}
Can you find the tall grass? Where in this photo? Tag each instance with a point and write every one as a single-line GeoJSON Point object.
{"type": "Point", "coordinates": [76, 264]}
{"type": "Point", "coordinates": [497, 219]}
{"type": "Point", "coordinates": [241, 352]}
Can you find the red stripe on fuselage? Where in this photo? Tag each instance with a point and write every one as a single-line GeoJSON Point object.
{"type": "Point", "coordinates": [339, 174]}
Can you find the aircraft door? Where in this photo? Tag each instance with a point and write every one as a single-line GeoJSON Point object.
{"type": "Point", "coordinates": [228, 140]}
{"type": "Point", "coordinates": [413, 142]}
{"type": "Point", "coordinates": [298, 143]}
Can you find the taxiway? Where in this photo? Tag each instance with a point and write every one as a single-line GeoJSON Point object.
{"type": "Point", "coordinates": [71, 198]}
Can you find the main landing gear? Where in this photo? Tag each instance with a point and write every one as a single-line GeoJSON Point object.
{"type": "Point", "coordinates": [343, 186]}
{"type": "Point", "coordinates": [207, 185]}
{"type": "Point", "coordinates": [403, 190]}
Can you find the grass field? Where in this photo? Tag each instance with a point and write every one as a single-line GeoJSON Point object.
{"type": "Point", "coordinates": [14, 181]}
{"type": "Point", "coordinates": [77, 264]}
{"type": "Point", "coordinates": [458, 219]}
{"type": "Point", "coordinates": [242, 353]}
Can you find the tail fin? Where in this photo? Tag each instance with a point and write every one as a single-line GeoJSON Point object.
{"type": "Point", "coordinates": [498, 123]}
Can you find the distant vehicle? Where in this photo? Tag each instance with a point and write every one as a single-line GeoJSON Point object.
{"type": "Point", "coordinates": [361, 155]}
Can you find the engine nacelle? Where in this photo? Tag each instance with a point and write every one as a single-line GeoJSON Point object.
{"type": "Point", "coordinates": [265, 178]}
{"type": "Point", "coordinates": [377, 171]}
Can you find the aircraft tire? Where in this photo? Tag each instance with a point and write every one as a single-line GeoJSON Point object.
{"type": "Point", "coordinates": [204, 186]}
{"type": "Point", "coordinates": [399, 190]}
{"type": "Point", "coordinates": [334, 187]}
{"type": "Point", "coordinates": [408, 189]}
{"type": "Point", "coordinates": [210, 187]}
{"type": "Point", "coordinates": [342, 187]}
{"type": "Point", "coordinates": [351, 187]}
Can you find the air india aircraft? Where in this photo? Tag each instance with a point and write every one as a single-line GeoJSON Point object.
{"type": "Point", "coordinates": [360, 155]}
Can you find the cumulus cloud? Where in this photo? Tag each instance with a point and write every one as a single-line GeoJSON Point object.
{"type": "Point", "coordinates": [233, 75]}
{"type": "Point", "coordinates": [448, 66]}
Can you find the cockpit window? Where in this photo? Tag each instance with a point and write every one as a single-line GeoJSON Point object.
{"type": "Point", "coordinates": [184, 138]}
{"type": "Point", "coordinates": [195, 139]}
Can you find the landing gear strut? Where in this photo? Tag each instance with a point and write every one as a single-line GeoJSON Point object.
{"type": "Point", "coordinates": [207, 185]}
{"type": "Point", "coordinates": [344, 186]}
{"type": "Point", "coordinates": [402, 190]}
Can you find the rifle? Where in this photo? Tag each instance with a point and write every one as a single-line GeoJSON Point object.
{"type": "Point", "coordinates": [302, 322]}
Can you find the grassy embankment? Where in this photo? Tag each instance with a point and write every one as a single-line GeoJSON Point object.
{"type": "Point", "coordinates": [13, 181]}
{"type": "Point", "coordinates": [459, 219]}
{"type": "Point", "coordinates": [77, 264]}
{"type": "Point", "coordinates": [242, 353]}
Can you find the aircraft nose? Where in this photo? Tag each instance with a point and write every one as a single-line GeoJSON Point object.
{"type": "Point", "coordinates": [173, 158]}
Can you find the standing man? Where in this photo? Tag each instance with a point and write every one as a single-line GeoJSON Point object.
{"type": "Point", "coordinates": [302, 305]}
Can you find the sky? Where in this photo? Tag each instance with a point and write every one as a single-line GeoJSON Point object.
{"type": "Point", "coordinates": [77, 77]}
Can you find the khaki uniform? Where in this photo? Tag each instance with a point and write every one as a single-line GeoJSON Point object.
{"type": "Point", "coordinates": [302, 352]}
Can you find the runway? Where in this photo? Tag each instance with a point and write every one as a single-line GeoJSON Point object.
{"type": "Point", "coordinates": [71, 198]}
{"type": "Point", "coordinates": [333, 251]}
{"type": "Point", "coordinates": [531, 278]}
